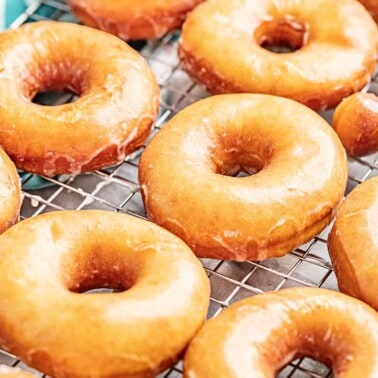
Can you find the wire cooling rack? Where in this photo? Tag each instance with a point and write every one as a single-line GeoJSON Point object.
{"type": "Point", "coordinates": [116, 189]}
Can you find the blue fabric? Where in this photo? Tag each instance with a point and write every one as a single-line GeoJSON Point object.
{"type": "Point", "coordinates": [11, 9]}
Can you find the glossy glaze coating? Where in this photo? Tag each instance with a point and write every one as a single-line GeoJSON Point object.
{"type": "Point", "coordinates": [259, 335]}
{"type": "Point", "coordinates": [113, 116]}
{"type": "Point", "coordinates": [47, 261]}
{"type": "Point", "coordinates": [133, 19]}
{"type": "Point", "coordinates": [10, 192]}
{"type": "Point", "coordinates": [8, 372]}
{"type": "Point", "coordinates": [353, 243]}
{"type": "Point", "coordinates": [338, 54]}
{"type": "Point", "coordinates": [372, 7]}
{"type": "Point", "coordinates": [356, 123]}
{"type": "Point", "coordinates": [186, 185]}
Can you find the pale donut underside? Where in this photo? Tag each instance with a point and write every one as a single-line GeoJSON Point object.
{"type": "Point", "coordinates": [133, 19]}
{"type": "Point", "coordinates": [335, 45]}
{"type": "Point", "coordinates": [186, 185]}
{"type": "Point", "coordinates": [259, 335]}
{"type": "Point", "coordinates": [353, 243]}
{"type": "Point", "coordinates": [47, 261]}
{"type": "Point", "coordinates": [112, 117]}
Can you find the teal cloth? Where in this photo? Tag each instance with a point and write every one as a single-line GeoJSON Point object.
{"type": "Point", "coordinates": [13, 8]}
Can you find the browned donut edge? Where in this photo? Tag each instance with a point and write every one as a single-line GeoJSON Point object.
{"type": "Point", "coordinates": [153, 23]}
{"type": "Point", "coordinates": [321, 100]}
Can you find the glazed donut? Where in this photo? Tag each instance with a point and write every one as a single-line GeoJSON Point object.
{"type": "Point", "coordinates": [10, 192]}
{"type": "Point", "coordinates": [353, 246]}
{"type": "Point", "coordinates": [302, 171]}
{"type": "Point", "coordinates": [8, 372]}
{"type": "Point", "coordinates": [113, 116]}
{"type": "Point", "coordinates": [372, 7]}
{"type": "Point", "coordinates": [133, 19]}
{"type": "Point", "coordinates": [261, 334]}
{"type": "Point", "coordinates": [335, 43]}
{"type": "Point", "coordinates": [356, 123]}
{"type": "Point", "coordinates": [47, 260]}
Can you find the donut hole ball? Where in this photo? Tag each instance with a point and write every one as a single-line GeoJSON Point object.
{"type": "Point", "coordinates": [283, 35]}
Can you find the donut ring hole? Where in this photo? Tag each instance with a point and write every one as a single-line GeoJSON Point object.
{"type": "Point", "coordinates": [241, 155]}
{"type": "Point", "coordinates": [53, 79]}
{"type": "Point", "coordinates": [96, 270]}
{"type": "Point", "coordinates": [284, 35]}
{"type": "Point", "coordinates": [54, 97]}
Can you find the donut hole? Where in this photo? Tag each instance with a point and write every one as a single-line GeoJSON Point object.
{"type": "Point", "coordinates": [284, 35]}
{"type": "Point", "coordinates": [302, 366]}
{"type": "Point", "coordinates": [97, 271]}
{"type": "Point", "coordinates": [241, 158]}
{"type": "Point", "coordinates": [315, 347]}
{"type": "Point", "coordinates": [239, 168]}
{"type": "Point", "coordinates": [55, 84]}
{"type": "Point", "coordinates": [51, 98]}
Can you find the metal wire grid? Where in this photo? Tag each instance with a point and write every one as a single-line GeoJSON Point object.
{"type": "Point", "coordinates": [116, 189]}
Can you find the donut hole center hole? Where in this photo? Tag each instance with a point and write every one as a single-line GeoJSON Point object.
{"type": "Point", "coordinates": [99, 272]}
{"type": "Point", "coordinates": [239, 168]}
{"type": "Point", "coordinates": [285, 35]}
{"type": "Point", "coordinates": [241, 155]}
{"type": "Point", "coordinates": [54, 84]}
{"type": "Point", "coordinates": [302, 366]}
{"type": "Point", "coordinates": [54, 97]}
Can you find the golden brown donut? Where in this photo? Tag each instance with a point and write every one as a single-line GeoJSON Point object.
{"type": "Point", "coordinates": [356, 123]}
{"type": "Point", "coordinates": [335, 43]}
{"type": "Point", "coordinates": [48, 260]}
{"type": "Point", "coordinates": [353, 243]}
{"type": "Point", "coordinates": [259, 335]}
{"type": "Point", "coordinates": [302, 171]}
{"type": "Point", "coordinates": [372, 7]}
{"type": "Point", "coordinates": [8, 372]}
{"type": "Point", "coordinates": [10, 193]}
{"type": "Point", "coordinates": [133, 19]}
{"type": "Point", "coordinates": [113, 116]}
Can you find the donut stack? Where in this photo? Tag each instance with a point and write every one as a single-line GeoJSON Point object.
{"type": "Point", "coordinates": [270, 65]}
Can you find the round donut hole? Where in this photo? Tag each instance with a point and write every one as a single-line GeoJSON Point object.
{"type": "Point", "coordinates": [285, 35]}
{"type": "Point", "coordinates": [54, 97]}
{"type": "Point", "coordinates": [306, 365]}
{"type": "Point", "coordinates": [237, 171]}
{"type": "Point", "coordinates": [92, 273]}
{"type": "Point", "coordinates": [242, 164]}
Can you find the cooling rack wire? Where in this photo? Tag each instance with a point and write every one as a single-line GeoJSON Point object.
{"type": "Point", "coordinates": [116, 189]}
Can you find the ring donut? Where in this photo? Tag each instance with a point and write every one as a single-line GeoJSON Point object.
{"type": "Point", "coordinates": [47, 260]}
{"type": "Point", "coordinates": [353, 246]}
{"type": "Point", "coordinates": [259, 335]}
{"type": "Point", "coordinates": [10, 192]}
{"type": "Point", "coordinates": [356, 123]}
{"type": "Point", "coordinates": [335, 42]}
{"type": "Point", "coordinates": [113, 116]}
{"type": "Point", "coordinates": [8, 372]}
{"type": "Point", "coordinates": [302, 171]}
{"type": "Point", "coordinates": [133, 19]}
